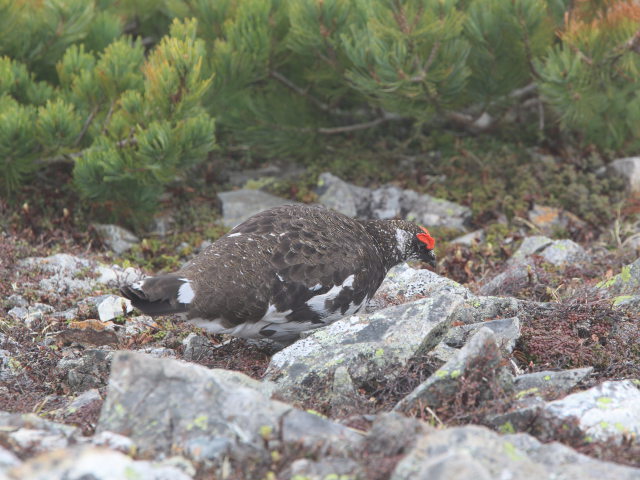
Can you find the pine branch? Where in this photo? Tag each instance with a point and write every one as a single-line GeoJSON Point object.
{"type": "Point", "coordinates": [85, 127]}
{"type": "Point", "coordinates": [299, 90]}
{"type": "Point", "coordinates": [527, 47]}
{"type": "Point", "coordinates": [360, 126]}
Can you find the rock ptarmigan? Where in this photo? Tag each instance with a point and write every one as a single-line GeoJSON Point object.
{"type": "Point", "coordinates": [283, 271]}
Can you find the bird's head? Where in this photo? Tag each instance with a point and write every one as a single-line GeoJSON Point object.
{"type": "Point", "coordinates": [423, 245]}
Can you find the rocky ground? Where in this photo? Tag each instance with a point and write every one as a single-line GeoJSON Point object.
{"type": "Point", "coordinates": [513, 360]}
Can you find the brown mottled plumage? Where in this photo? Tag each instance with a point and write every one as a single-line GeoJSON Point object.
{"type": "Point", "coordinates": [283, 271]}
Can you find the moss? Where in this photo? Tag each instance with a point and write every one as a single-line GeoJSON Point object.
{"type": "Point", "coordinates": [379, 352]}
{"type": "Point", "coordinates": [604, 402]}
{"type": "Point", "coordinates": [512, 452]}
{"type": "Point", "coordinates": [524, 393]}
{"type": "Point", "coordinates": [266, 431]}
{"type": "Point", "coordinates": [506, 428]}
{"type": "Point", "coordinates": [621, 299]}
{"type": "Point", "coordinates": [201, 422]}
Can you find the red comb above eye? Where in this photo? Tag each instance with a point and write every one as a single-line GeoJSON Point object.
{"type": "Point", "coordinates": [426, 238]}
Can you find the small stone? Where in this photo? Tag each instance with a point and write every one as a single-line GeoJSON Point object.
{"type": "Point", "coordinates": [550, 220]}
{"type": "Point", "coordinates": [116, 238]}
{"type": "Point", "coordinates": [629, 169]}
{"type": "Point", "coordinates": [470, 239]}
{"type": "Point", "coordinates": [89, 332]}
{"type": "Point", "coordinates": [394, 434]}
{"type": "Point", "coordinates": [136, 325]}
{"type": "Point", "coordinates": [530, 246]}
{"type": "Point", "coordinates": [197, 347]}
{"type": "Point", "coordinates": [82, 463]}
{"type": "Point", "coordinates": [564, 252]}
{"type": "Point", "coordinates": [341, 196]}
{"type": "Point", "coordinates": [325, 468]}
{"type": "Point", "coordinates": [88, 371]}
{"type": "Point", "coordinates": [18, 313]}
{"type": "Point", "coordinates": [7, 460]}
{"type": "Point", "coordinates": [238, 205]}
{"type": "Point", "coordinates": [113, 306]}
{"type": "Point", "coordinates": [114, 275]}
{"type": "Point", "coordinates": [343, 395]}
{"type": "Point", "coordinates": [605, 412]}
{"type": "Point", "coordinates": [506, 331]}
{"type": "Point", "coordinates": [16, 300]}
{"type": "Point", "coordinates": [559, 382]}
{"type": "Point", "coordinates": [114, 441]}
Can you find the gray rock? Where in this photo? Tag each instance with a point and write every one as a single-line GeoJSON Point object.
{"type": "Point", "coordinates": [114, 275]}
{"type": "Point", "coordinates": [623, 288]}
{"type": "Point", "coordinates": [113, 441]}
{"type": "Point", "coordinates": [88, 371]}
{"type": "Point", "coordinates": [87, 401]}
{"type": "Point", "coordinates": [473, 452]}
{"type": "Point", "coordinates": [238, 205]}
{"type": "Point", "coordinates": [624, 284]}
{"type": "Point", "coordinates": [391, 202]}
{"type": "Point", "coordinates": [607, 411]}
{"type": "Point", "coordinates": [481, 309]}
{"type": "Point", "coordinates": [7, 460]}
{"type": "Point", "coordinates": [67, 273]}
{"type": "Point", "coordinates": [564, 252]}
{"type": "Point", "coordinates": [325, 468]}
{"type": "Point", "coordinates": [58, 263]}
{"type": "Point", "coordinates": [372, 346]}
{"type": "Point", "coordinates": [530, 246]}
{"type": "Point", "coordinates": [480, 352]}
{"type": "Point", "coordinates": [343, 392]}
{"type": "Point", "coordinates": [551, 220]}
{"type": "Point", "coordinates": [26, 434]}
{"type": "Point", "coordinates": [404, 283]}
{"type": "Point", "coordinates": [116, 238]}
{"type": "Point", "coordinates": [67, 315]}
{"type": "Point", "coordinates": [83, 463]}
{"type": "Point", "coordinates": [521, 269]}
{"type": "Point", "coordinates": [113, 306]}
{"type": "Point", "coordinates": [394, 434]}
{"type": "Point", "coordinates": [9, 367]}
{"type": "Point", "coordinates": [167, 405]}
{"type": "Point", "coordinates": [505, 330]}
{"type": "Point", "coordinates": [31, 315]}
{"type": "Point", "coordinates": [629, 169]}
{"type": "Point", "coordinates": [197, 347]}
{"type": "Point", "coordinates": [159, 352]}
{"type": "Point", "coordinates": [341, 196]}
{"type": "Point", "coordinates": [470, 239]}
{"type": "Point", "coordinates": [136, 325]}
{"type": "Point", "coordinates": [16, 300]}
{"type": "Point", "coordinates": [559, 382]}
{"type": "Point", "coordinates": [516, 276]}
{"type": "Point", "coordinates": [18, 313]}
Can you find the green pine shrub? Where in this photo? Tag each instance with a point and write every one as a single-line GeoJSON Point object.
{"type": "Point", "coordinates": [128, 90]}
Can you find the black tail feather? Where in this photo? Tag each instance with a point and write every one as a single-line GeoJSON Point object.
{"type": "Point", "coordinates": [157, 296]}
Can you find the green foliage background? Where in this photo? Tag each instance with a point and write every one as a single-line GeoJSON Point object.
{"type": "Point", "coordinates": [128, 90]}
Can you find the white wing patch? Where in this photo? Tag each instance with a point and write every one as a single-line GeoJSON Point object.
{"type": "Point", "coordinates": [237, 234]}
{"type": "Point", "coordinates": [185, 292]}
{"type": "Point", "coordinates": [317, 303]}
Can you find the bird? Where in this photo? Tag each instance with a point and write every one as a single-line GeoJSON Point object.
{"type": "Point", "coordinates": [283, 271]}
